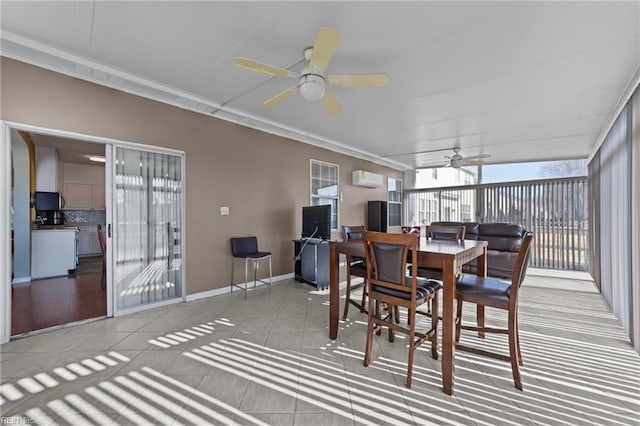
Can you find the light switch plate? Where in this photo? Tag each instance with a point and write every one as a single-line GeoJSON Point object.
{"type": "Point", "coordinates": [224, 211]}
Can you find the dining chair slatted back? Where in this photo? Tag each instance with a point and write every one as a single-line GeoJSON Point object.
{"type": "Point", "coordinates": [355, 266]}
{"type": "Point", "coordinates": [388, 283]}
{"type": "Point", "coordinates": [495, 293]}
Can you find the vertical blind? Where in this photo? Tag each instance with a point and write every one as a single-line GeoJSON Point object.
{"type": "Point", "coordinates": [635, 217]}
{"type": "Point", "coordinates": [614, 179]}
{"type": "Point", "coordinates": [148, 192]}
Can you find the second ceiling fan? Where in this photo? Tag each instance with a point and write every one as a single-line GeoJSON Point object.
{"type": "Point", "coordinates": [312, 81]}
{"type": "Point", "coordinates": [456, 160]}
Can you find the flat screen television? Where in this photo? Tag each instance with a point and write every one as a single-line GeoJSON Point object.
{"type": "Point", "coordinates": [316, 222]}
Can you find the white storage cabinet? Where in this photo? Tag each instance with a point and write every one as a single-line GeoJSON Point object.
{"type": "Point", "coordinates": [53, 252]}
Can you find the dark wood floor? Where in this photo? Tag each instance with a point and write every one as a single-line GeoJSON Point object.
{"type": "Point", "coordinates": [56, 301]}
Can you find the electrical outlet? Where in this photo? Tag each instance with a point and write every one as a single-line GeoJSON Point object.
{"type": "Point", "coordinates": [224, 211]}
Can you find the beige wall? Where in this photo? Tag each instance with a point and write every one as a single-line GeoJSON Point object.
{"type": "Point", "coordinates": [262, 178]}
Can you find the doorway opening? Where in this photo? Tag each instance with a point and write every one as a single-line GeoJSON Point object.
{"type": "Point", "coordinates": [57, 202]}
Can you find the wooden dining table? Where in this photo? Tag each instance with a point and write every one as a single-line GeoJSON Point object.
{"type": "Point", "coordinates": [446, 255]}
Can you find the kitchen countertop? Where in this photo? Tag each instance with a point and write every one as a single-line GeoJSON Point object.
{"type": "Point", "coordinates": [55, 228]}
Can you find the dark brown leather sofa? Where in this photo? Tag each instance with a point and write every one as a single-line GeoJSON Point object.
{"type": "Point", "coordinates": [504, 243]}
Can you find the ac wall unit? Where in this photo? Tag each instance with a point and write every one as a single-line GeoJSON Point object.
{"type": "Point", "coordinates": [366, 179]}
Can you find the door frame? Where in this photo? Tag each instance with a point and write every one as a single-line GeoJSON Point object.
{"type": "Point", "coordinates": [5, 216]}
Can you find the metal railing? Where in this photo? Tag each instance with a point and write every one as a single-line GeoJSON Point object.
{"type": "Point", "coordinates": [554, 209]}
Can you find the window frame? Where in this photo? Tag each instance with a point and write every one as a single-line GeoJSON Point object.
{"type": "Point", "coordinates": [335, 214]}
{"type": "Point", "coordinates": [397, 181]}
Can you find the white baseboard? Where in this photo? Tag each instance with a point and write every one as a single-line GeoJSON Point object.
{"type": "Point", "coordinates": [227, 289]}
{"type": "Point", "coordinates": [21, 280]}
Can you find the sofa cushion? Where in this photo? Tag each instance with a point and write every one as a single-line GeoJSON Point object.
{"type": "Point", "coordinates": [499, 264]}
{"type": "Point", "coordinates": [502, 236]}
{"type": "Point", "coordinates": [504, 240]}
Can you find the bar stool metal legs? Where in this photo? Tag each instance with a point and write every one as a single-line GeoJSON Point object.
{"type": "Point", "coordinates": [247, 249]}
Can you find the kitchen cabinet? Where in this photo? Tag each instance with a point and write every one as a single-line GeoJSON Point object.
{"type": "Point", "coordinates": [88, 244]}
{"type": "Point", "coordinates": [80, 196]}
{"type": "Point", "coordinates": [47, 175]}
{"type": "Point", "coordinates": [53, 252]}
{"type": "Point", "coordinates": [83, 187]}
{"type": "Point", "coordinates": [82, 173]}
{"type": "Point", "coordinates": [98, 200]}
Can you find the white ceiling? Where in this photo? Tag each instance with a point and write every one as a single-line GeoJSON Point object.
{"type": "Point", "coordinates": [521, 81]}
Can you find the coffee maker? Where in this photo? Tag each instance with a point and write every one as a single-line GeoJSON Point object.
{"type": "Point", "coordinates": [55, 217]}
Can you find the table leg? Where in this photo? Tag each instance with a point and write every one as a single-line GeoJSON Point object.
{"type": "Point", "coordinates": [334, 292]}
{"type": "Point", "coordinates": [448, 325]}
{"type": "Point", "coordinates": [481, 271]}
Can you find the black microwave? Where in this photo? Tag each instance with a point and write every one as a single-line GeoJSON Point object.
{"type": "Point", "coordinates": [48, 201]}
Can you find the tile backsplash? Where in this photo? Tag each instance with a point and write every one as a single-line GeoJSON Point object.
{"type": "Point", "coordinates": [90, 216]}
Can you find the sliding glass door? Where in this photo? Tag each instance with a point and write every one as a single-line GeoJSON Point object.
{"type": "Point", "coordinates": [147, 219]}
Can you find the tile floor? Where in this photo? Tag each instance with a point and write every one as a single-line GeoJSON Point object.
{"type": "Point", "coordinates": [268, 360]}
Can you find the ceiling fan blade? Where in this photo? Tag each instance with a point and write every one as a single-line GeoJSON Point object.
{"type": "Point", "coordinates": [473, 157]}
{"type": "Point", "coordinates": [281, 97]}
{"type": "Point", "coordinates": [330, 103]}
{"type": "Point", "coordinates": [323, 49]}
{"type": "Point", "coordinates": [263, 68]}
{"type": "Point", "coordinates": [359, 80]}
{"type": "Point", "coordinates": [477, 157]}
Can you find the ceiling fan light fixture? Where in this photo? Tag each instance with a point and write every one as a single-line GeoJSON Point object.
{"type": "Point", "coordinates": [456, 163]}
{"type": "Point", "coordinates": [311, 87]}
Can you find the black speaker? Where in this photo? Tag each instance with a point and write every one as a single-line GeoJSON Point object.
{"type": "Point", "coordinates": [377, 216]}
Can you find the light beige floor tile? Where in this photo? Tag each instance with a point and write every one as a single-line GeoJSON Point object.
{"type": "Point", "coordinates": [626, 418]}
{"type": "Point", "coordinates": [320, 390]}
{"type": "Point", "coordinates": [383, 417]}
{"type": "Point", "coordinates": [430, 417]}
{"type": "Point", "coordinates": [560, 417]}
{"type": "Point", "coordinates": [503, 418]}
{"type": "Point", "coordinates": [158, 360]}
{"type": "Point", "coordinates": [269, 358]}
{"type": "Point", "coordinates": [271, 397]}
{"type": "Point", "coordinates": [279, 419]}
{"type": "Point", "coordinates": [223, 390]}
{"type": "Point", "coordinates": [284, 339]}
{"type": "Point", "coordinates": [31, 398]}
{"type": "Point", "coordinates": [185, 366]}
{"type": "Point", "coordinates": [324, 418]}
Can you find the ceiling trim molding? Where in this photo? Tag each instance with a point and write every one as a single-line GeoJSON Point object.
{"type": "Point", "coordinates": [26, 50]}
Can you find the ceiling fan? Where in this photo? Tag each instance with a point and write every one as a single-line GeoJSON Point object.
{"type": "Point", "coordinates": [312, 81]}
{"type": "Point", "coordinates": [456, 160]}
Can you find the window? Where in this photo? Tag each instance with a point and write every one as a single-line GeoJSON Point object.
{"type": "Point", "coordinates": [394, 198]}
{"type": "Point", "coordinates": [324, 188]}
{"type": "Point", "coordinates": [465, 212]}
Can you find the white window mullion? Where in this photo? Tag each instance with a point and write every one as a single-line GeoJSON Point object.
{"type": "Point", "coordinates": [324, 188]}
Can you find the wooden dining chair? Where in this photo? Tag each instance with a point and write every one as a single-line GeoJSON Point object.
{"type": "Point", "coordinates": [103, 249]}
{"type": "Point", "coordinates": [445, 233]}
{"type": "Point", "coordinates": [355, 266]}
{"type": "Point", "coordinates": [387, 282]}
{"type": "Point", "coordinates": [495, 293]}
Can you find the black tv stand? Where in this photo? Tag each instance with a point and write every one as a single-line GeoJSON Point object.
{"type": "Point", "coordinates": [311, 266]}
